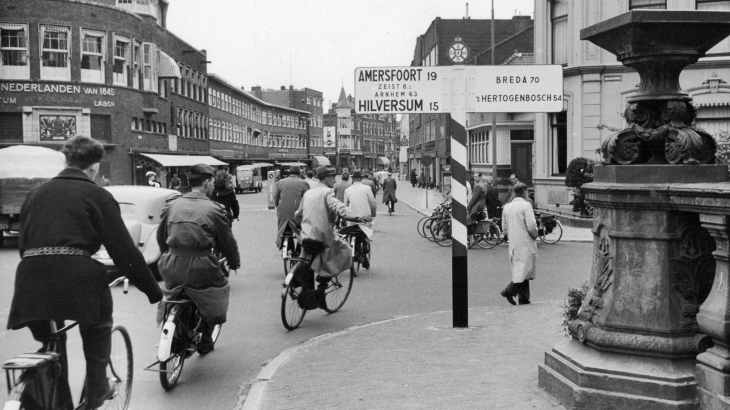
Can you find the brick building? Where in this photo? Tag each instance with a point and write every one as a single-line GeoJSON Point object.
{"type": "Point", "coordinates": [105, 68]}
{"type": "Point", "coordinates": [459, 42]}
{"type": "Point", "coordinates": [245, 129]}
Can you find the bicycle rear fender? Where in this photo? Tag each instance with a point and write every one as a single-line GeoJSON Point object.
{"type": "Point", "coordinates": [168, 331]}
{"type": "Point", "coordinates": [12, 405]}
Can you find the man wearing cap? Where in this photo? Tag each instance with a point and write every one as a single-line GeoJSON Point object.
{"type": "Point", "coordinates": [287, 197]}
{"type": "Point", "coordinates": [191, 226]}
{"type": "Point", "coordinates": [316, 215]}
{"type": "Point", "coordinates": [389, 186]}
{"type": "Point", "coordinates": [63, 222]}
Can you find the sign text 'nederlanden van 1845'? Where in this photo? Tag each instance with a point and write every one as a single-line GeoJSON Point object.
{"type": "Point", "coordinates": [535, 88]}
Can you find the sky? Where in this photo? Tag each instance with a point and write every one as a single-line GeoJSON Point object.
{"type": "Point", "coordinates": [315, 43]}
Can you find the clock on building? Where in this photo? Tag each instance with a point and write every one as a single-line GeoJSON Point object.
{"type": "Point", "coordinates": [458, 52]}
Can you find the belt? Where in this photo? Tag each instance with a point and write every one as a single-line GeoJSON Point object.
{"type": "Point", "coordinates": [189, 253]}
{"type": "Point", "coordinates": [55, 250]}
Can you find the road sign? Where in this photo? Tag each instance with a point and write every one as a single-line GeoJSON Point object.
{"type": "Point", "coordinates": [503, 88]}
{"type": "Point", "coordinates": [519, 88]}
{"type": "Point", "coordinates": [384, 90]}
{"type": "Point", "coordinates": [426, 160]}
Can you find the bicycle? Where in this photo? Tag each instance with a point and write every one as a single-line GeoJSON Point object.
{"type": "Point", "coordinates": [289, 248]}
{"type": "Point", "coordinates": [37, 380]}
{"type": "Point", "coordinates": [361, 251]}
{"type": "Point", "coordinates": [299, 294]}
{"type": "Point", "coordinates": [549, 229]}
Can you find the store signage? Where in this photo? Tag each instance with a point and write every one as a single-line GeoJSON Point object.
{"type": "Point", "coordinates": [504, 88]}
{"type": "Point", "coordinates": [329, 137]}
{"type": "Point", "coordinates": [55, 88]}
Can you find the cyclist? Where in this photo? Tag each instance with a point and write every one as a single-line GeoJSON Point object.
{"type": "Point", "coordinates": [316, 215]}
{"type": "Point", "coordinates": [359, 198]}
{"type": "Point", "coordinates": [224, 195]}
{"type": "Point", "coordinates": [191, 226]}
{"type": "Point", "coordinates": [389, 187]}
{"type": "Point", "coordinates": [477, 204]}
{"type": "Point", "coordinates": [288, 196]}
{"type": "Point", "coordinates": [369, 182]}
{"type": "Point", "coordinates": [64, 222]}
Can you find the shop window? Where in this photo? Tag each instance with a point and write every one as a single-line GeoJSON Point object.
{"type": "Point", "coordinates": [93, 49]}
{"type": "Point", "coordinates": [101, 127]}
{"type": "Point", "coordinates": [559, 142]}
{"type": "Point", "coordinates": [122, 58]}
{"type": "Point", "coordinates": [722, 48]}
{"type": "Point", "coordinates": [55, 55]}
{"type": "Point", "coordinates": [11, 127]}
{"type": "Point", "coordinates": [559, 25]}
{"type": "Point", "coordinates": [647, 4]}
{"type": "Point", "coordinates": [14, 50]}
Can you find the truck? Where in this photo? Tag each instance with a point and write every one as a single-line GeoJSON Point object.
{"type": "Point", "coordinates": [22, 168]}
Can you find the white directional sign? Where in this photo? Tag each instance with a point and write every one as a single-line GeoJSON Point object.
{"type": "Point", "coordinates": [503, 88]}
{"type": "Point", "coordinates": [384, 90]}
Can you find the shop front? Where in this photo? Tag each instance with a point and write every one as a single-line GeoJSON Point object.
{"type": "Point", "coordinates": [165, 166]}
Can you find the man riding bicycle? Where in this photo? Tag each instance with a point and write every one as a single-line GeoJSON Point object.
{"type": "Point", "coordinates": [191, 227]}
{"type": "Point", "coordinates": [288, 196]}
{"type": "Point", "coordinates": [359, 198]}
{"type": "Point", "coordinates": [63, 222]}
{"type": "Point", "coordinates": [317, 214]}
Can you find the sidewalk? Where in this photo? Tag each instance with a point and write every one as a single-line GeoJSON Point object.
{"type": "Point", "coordinates": [415, 198]}
{"type": "Point", "coordinates": [418, 362]}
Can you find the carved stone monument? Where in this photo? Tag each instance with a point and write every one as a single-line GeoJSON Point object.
{"type": "Point", "coordinates": [635, 341]}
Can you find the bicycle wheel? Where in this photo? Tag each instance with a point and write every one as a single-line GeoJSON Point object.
{"type": "Point", "coordinates": [442, 233]}
{"type": "Point", "coordinates": [554, 235]}
{"type": "Point", "coordinates": [338, 290]}
{"type": "Point", "coordinates": [171, 369]}
{"type": "Point", "coordinates": [291, 313]}
{"type": "Point", "coordinates": [419, 225]}
{"type": "Point", "coordinates": [121, 369]}
{"type": "Point", "coordinates": [428, 228]}
{"type": "Point", "coordinates": [490, 237]}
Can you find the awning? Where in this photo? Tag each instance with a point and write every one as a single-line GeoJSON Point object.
{"type": "Point", "coordinates": [182, 160]}
{"type": "Point", "coordinates": [383, 161]}
{"type": "Point", "coordinates": [168, 67]}
{"type": "Point", "coordinates": [289, 164]}
{"type": "Point", "coordinates": [319, 160]}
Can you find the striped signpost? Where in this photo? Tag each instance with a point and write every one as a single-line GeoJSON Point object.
{"type": "Point", "coordinates": [458, 90]}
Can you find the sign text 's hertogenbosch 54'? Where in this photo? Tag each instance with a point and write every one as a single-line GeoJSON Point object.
{"type": "Point", "coordinates": [528, 88]}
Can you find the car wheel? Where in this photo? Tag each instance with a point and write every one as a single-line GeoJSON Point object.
{"type": "Point", "coordinates": [155, 271]}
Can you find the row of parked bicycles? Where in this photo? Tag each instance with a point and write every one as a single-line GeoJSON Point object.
{"type": "Point", "coordinates": [485, 233]}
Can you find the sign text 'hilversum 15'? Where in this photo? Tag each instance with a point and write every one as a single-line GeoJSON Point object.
{"type": "Point", "coordinates": [398, 89]}
{"type": "Point", "coordinates": [503, 88]}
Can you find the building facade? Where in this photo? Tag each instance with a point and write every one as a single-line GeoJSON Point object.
{"type": "Point", "coordinates": [104, 68]}
{"type": "Point", "coordinates": [597, 86]}
{"type": "Point", "coordinates": [460, 42]}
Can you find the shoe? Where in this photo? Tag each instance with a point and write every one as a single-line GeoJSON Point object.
{"type": "Point", "coordinates": [108, 395]}
{"type": "Point", "coordinates": [365, 262]}
{"type": "Point", "coordinates": [206, 344]}
{"type": "Point", "coordinates": [321, 294]}
{"type": "Point", "coordinates": [508, 296]}
{"type": "Point", "coordinates": [523, 302]}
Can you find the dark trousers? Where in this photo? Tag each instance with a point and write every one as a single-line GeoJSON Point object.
{"type": "Point", "coordinates": [521, 290]}
{"type": "Point", "coordinates": [97, 340]}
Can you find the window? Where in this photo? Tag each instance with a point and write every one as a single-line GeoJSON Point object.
{"type": "Point", "coordinates": [137, 70]}
{"type": "Point", "coordinates": [716, 5]}
{"type": "Point", "coordinates": [149, 66]}
{"type": "Point", "coordinates": [559, 142]}
{"type": "Point", "coordinates": [11, 127]}
{"type": "Point", "coordinates": [55, 52]}
{"type": "Point", "coordinates": [14, 50]}
{"type": "Point", "coordinates": [93, 49]}
{"type": "Point", "coordinates": [647, 4]}
{"type": "Point", "coordinates": [559, 24]}
{"type": "Point", "coordinates": [101, 127]}
{"type": "Point", "coordinates": [122, 59]}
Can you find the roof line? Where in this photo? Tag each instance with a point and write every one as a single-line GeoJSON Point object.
{"type": "Point", "coordinates": [251, 96]}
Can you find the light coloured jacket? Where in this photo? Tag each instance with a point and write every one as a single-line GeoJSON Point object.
{"type": "Point", "coordinates": [359, 198]}
{"type": "Point", "coordinates": [317, 214]}
{"type": "Point", "coordinates": [518, 220]}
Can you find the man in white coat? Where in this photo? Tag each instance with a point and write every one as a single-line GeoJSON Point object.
{"type": "Point", "coordinates": [359, 197]}
{"type": "Point", "coordinates": [518, 220]}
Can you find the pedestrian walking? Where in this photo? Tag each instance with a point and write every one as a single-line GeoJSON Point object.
{"type": "Point", "coordinates": [389, 187]}
{"type": "Point", "coordinates": [518, 220]}
{"type": "Point", "coordinates": [224, 195]}
{"type": "Point", "coordinates": [422, 180]}
{"type": "Point", "coordinates": [511, 189]}
{"type": "Point", "coordinates": [493, 202]}
{"type": "Point", "coordinates": [414, 178]}
{"type": "Point", "coordinates": [341, 186]}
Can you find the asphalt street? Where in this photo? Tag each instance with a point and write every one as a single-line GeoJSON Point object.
{"type": "Point", "coordinates": [409, 275]}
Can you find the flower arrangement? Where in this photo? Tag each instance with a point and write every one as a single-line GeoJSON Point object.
{"type": "Point", "coordinates": [572, 305]}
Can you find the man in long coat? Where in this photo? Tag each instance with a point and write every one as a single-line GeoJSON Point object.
{"type": "Point", "coordinates": [63, 222]}
{"type": "Point", "coordinates": [317, 214]}
{"type": "Point", "coordinates": [287, 198]}
{"type": "Point", "coordinates": [191, 226]}
{"type": "Point", "coordinates": [518, 220]}
{"type": "Point", "coordinates": [341, 186]}
{"type": "Point", "coordinates": [389, 186]}
{"type": "Point", "coordinates": [478, 201]}
{"type": "Point", "coordinates": [493, 202]}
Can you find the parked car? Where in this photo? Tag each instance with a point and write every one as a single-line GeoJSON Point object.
{"type": "Point", "coordinates": [248, 177]}
{"type": "Point", "coordinates": [141, 208]}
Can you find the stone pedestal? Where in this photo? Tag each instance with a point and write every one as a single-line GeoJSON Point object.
{"type": "Point", "coordinates": [635, 340]}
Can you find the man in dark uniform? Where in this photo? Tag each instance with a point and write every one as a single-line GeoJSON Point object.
{"type": "Point", "coordinates": [64, 222]}
{"type": "Point", "coordinates": [288, 195]}
{"type": "Point", "coordinates": [191, 227]}
{"type": "Point", "coordinates": [369, 182]}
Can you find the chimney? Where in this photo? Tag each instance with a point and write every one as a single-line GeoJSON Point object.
{"type": "Point", "coordinates": [520, 23]}
{"type": "Point", "coordinates": [283, 88]}
{"type": "Point", "coordinates": [291, 88]}
{"type": "Point", "coordinates": [257, 91]}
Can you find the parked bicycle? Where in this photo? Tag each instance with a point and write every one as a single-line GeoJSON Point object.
{"type": "Point", "coordinates": [549, 229]}
{"type": "Point", "coordinates": [35, 380]}
{"type": "Point", "coordinates": [299, 294]}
